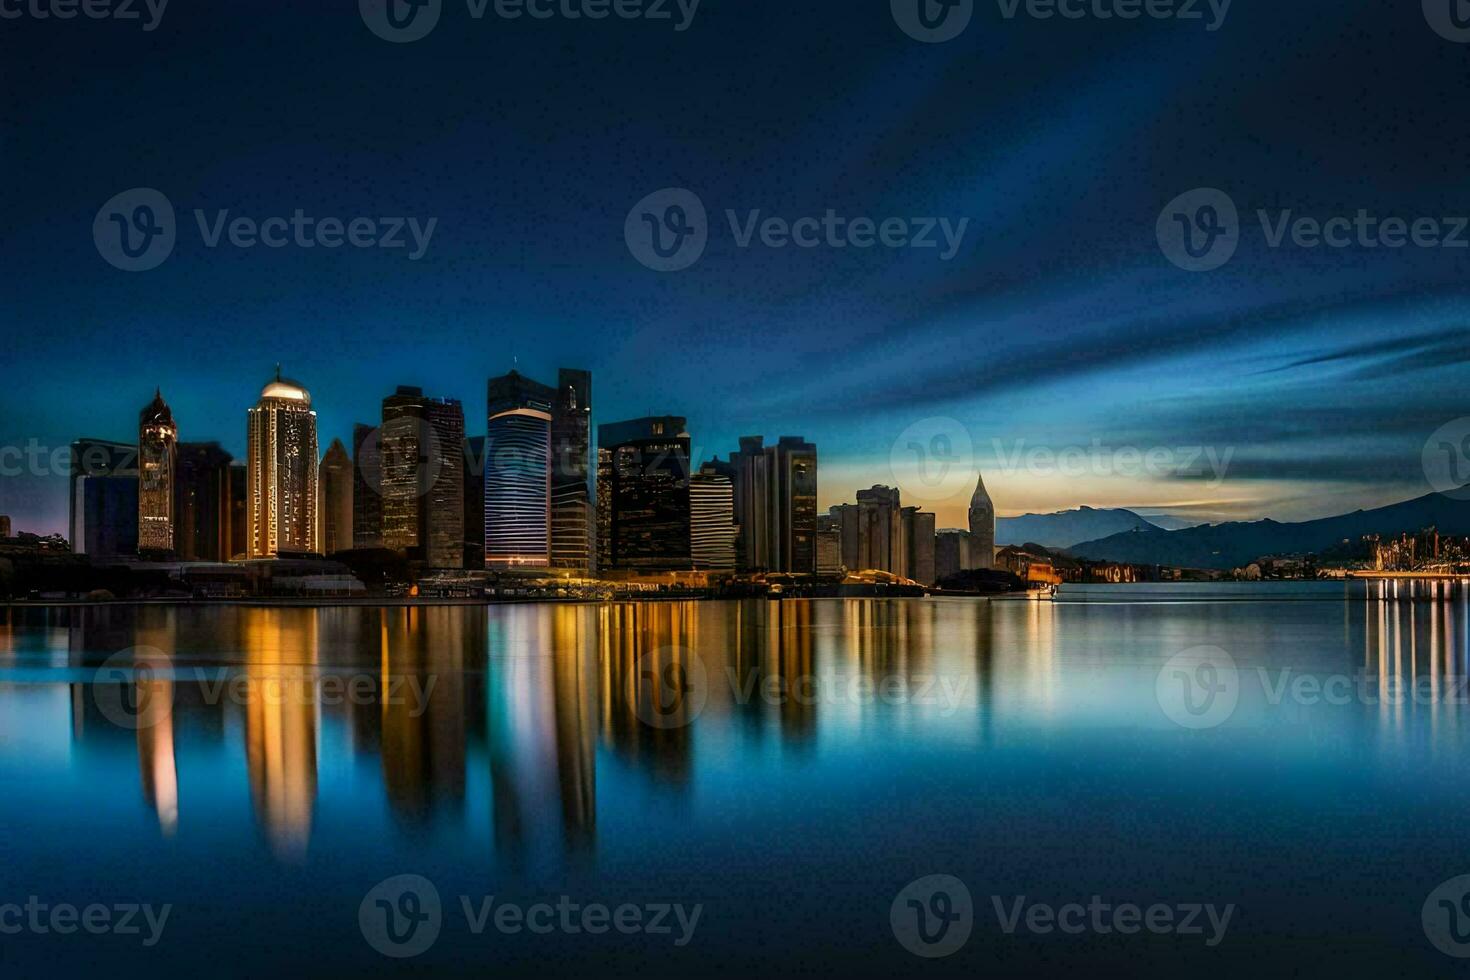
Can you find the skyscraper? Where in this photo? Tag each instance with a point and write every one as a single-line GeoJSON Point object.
{"type": "Point", "coordinates": [239, 511]}
{"type": "Point", "coordinates": [643, 518]}
{"type": "Point", "coordinates": [982, 527]}
{"type": "Point", "coordinates": [571, 492]}
{"type": "Point", "coordinates": [281, 456]}
{"type": "Point", "coordinates": [518, 472]}
{"type": "Point", "coordinates": [443, 533]}
{"type": "Point", "coordinates": [872, 531]}
{"type": "Point", "coordinates": [103, 505]}
{"type": "Point", "coordinates": [712, 520]}
{"type": "Point", "coordinates": [751, 468]}
{"type": "Point", "coordinates": [474, 502]}
{"type": "Point", "coordinates": [334, 478]}
{"type": "Point", "coordinates": [158, 440]}
{"type": "Point", "coordinates": [367, 487]}
{"type": "Point", "coordinates": [776, 504]}
{"type": "Point", "coordinates": [202, 503]}
{"type": "Point", "coordinates": [918, 532]}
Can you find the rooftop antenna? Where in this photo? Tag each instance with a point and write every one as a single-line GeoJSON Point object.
{"type": "Point", "coordinates": [278, 370]}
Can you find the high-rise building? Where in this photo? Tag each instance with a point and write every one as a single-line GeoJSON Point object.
{"type": "Point", "coordinates": [281, 456]}
{"type": "Point", "coordinates": [643, 519]}
{"type": "Point", "coordinates": [367, 487]}
{"type": "Point", "coordinates": [239, 511]}
{"type": "Point", "coordinates": [872, 532]}
{"type": "Point", "coordinates": [518, 472]}
{"type": "Point", "coordinates": [951, 553]}
{"type": "Point", "coordinates": [474, 502]}
{"type": "Point", "coordinates": [202, 503]}
{"type": "Point", "coordinates": [571, 491]}
{"type": "Point", "coordinates": [334, 479]}
{"type": "Point", "coordinates": [982, 527]}
{"type": "Point", "coordinates": [158, 458]}
{"type": "Point", "coordinates": [443, 533]}
{"type": "Point", "coordinates": [103, 503]}
{"type": "Point", "coordinates": [776, 504]}
{"type": "Point", "coordinates": [918, 535]}
{"type": "Point", "coordinates": [712, 528]}
{"type": "Point", "coordinates": [421, 462]}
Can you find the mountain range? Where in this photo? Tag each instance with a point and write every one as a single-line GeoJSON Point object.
{"type": "Point", "coordinates": [1068, 527]}
{"type": "Point", "coordinates": [1234, 545]}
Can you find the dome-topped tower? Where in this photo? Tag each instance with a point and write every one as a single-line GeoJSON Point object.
{"type": "Point", "coordinates": [982, 527]}
{"type": "Point", "coordinates": [281, 471]}
{"type": "Point", "coordinates": [279, 387]}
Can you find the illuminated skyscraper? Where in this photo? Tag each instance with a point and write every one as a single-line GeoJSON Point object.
{"type": "Point", "coordinates": [571, 491]}
{"type": "Point", "coordinates": [202, 503]}
{"type": "Point", "coordinates": [712, 520]}
{"type": "Point", "coordinates": [334, 479]}
{"type": "Point", "coordinates": [158, 458]}
{"type": "Point", "coordinates": [643, 520]}
{"type": "Point", "coordinates": [982, 527]}
{"type": "Point", "coordinates": [518, 472]}
{"type": "Point", "coordinates": [421, 461]}
{"type": "Point", "coordinates": [443, 534]}
{"type": "Point", "coordinates": [281, 457]}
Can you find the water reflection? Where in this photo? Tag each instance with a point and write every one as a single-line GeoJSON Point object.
{"type": "Point", "coordinates": [450, 718]}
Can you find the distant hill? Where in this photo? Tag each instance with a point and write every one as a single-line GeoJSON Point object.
{"type": "Point", "coordinates": [1225, 546]}
{"type": "Point", "coordinates": [1066, 528]}
{"type": "Point", "coordinates": [1169, 523]}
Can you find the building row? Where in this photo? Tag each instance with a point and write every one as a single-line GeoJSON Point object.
{"type": "Point", "coordinates": [530, 494]}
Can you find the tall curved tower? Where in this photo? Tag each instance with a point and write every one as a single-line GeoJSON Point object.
{"type": "Point", "coordinates": [982, 527]}
{"type": "Point", "coordinates": [158, 461]}
{"type": "Point", "coordinates": [281, 480]}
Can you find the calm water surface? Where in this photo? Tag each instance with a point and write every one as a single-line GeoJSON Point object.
{"type": "Point", "coordinates": [790, 767]}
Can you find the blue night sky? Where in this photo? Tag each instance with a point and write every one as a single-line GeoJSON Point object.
{"type": "Point", "coordinates": [1320, 373]}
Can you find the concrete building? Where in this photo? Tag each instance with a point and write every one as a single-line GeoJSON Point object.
{"type": "Point", "coordinates": [918, 532]}
{"type": "Point", "coordinates": [334, 478]}
{"type": "Point", "coordinates": [643, 516]}
{"type": "Point", "coordinates": [203, 502]}
{"type": "Point", "coordinates": [103, 499]}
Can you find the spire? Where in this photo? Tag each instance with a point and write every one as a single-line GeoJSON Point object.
{"type": "Point", "coordinates": [278, 370]}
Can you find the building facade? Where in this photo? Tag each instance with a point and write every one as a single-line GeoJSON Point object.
{"type": "Point", "coordinates": [571, 488]}
{"type": "Point", "coordinates": [367, 487]}
{"type": "Point", "coordinates": [281, 459]}
{"type": "Point", "coordinates": [712, 528]}
{"type": "Point", "coordinates": [334, 478]}
{"type": "Point", "coordinates": [643, 516]}
{"type": "Point", "coordinates": [918, 532]}
{"type": "Point", "coordinates": [474, 502]}
{"type": "Point", "coordinates": [776, 504]}
{"type": "Point", "coordinates": [203, 502]}
{"type": "Point", "coordinates": [158, 459]}
{"type": "Point", "coordinates": [518, 472]}
{"type": "Point", "coordinates": [103, 499]}
{"type": "Point", "coordinates": [443, 533]}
